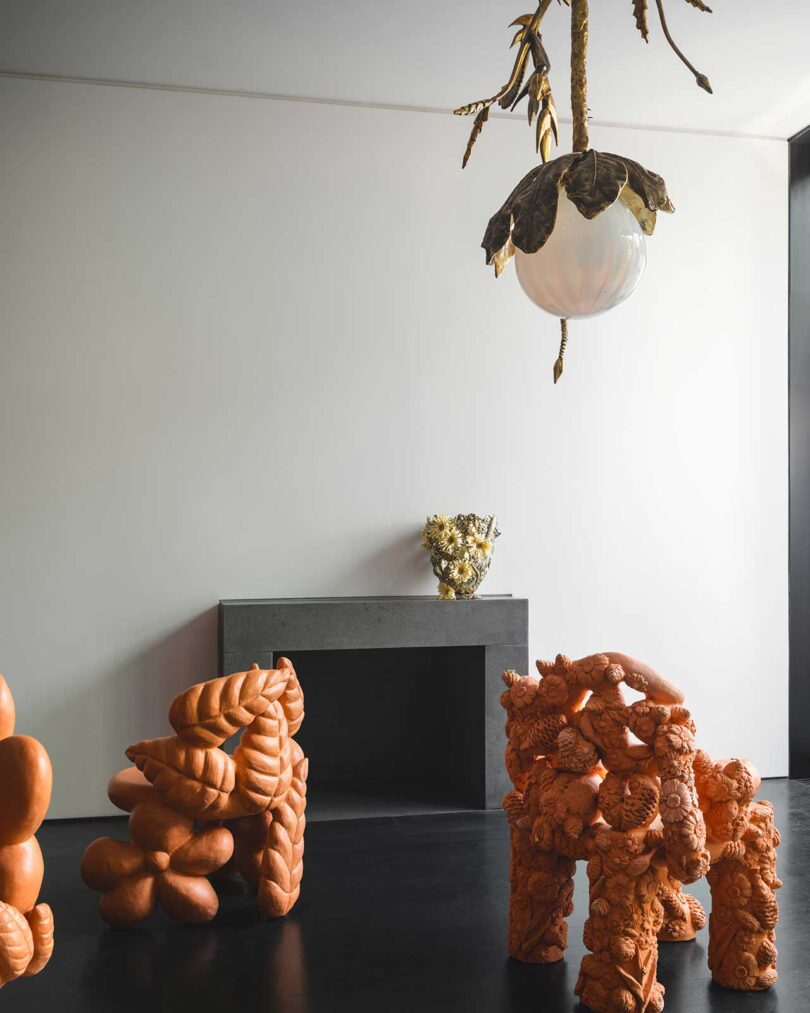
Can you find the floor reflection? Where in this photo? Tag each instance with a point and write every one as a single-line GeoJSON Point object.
{"type": "Point", "coordinates": [237, 964]}
{"type": "Point", "coordinates": [396, 916]}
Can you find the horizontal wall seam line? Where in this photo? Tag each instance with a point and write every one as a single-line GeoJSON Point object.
{"type": "Point", "coordinates": [357, 104]}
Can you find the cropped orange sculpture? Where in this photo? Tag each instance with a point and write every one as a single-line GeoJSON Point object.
{"type": "Point", "coordinates": [26, 928]}
{"type": "Point", "coordinates": [196, 810]}
{"type": "Point", "coordinates": [623, 787]}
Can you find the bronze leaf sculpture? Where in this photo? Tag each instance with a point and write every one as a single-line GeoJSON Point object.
{"type": "Point", "coordinates": [624, 788]}
{"type": "Point", "coordinates": [592, 180]}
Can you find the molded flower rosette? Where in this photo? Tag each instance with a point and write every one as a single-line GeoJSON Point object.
{"type": "Point", "coordinates": [460, 550]}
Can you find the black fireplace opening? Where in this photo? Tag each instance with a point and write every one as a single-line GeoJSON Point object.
{"type": "Point", "coordinates": [392, 731]}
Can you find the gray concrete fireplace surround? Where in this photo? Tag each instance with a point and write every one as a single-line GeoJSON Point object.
{"type": "Point", "coordinates": [402, 694]}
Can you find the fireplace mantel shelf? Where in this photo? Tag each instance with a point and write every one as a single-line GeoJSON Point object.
{"type": "Point", "coordinates": [317, 624]}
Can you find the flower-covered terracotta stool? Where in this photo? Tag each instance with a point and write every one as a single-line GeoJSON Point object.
{"type": "Point", "coordinates": [196, 810]}
{"type": "Point", "coordinates": [622, 787]}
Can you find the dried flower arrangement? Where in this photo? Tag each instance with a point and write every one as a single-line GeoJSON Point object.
{"type": "Point", "coordinates": [460, 550]}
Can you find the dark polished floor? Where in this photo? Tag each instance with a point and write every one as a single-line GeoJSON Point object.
{"type": "Point", "coordinates": [397, 914]}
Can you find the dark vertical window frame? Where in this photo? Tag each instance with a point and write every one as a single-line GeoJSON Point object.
{"type": "Point", "coordinates": [799, 394]}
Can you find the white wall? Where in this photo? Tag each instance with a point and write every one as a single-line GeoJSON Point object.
{"type": "Point", "coordinates": [424, 53]}
{"type": "Point", "coordinates": [247, 345]}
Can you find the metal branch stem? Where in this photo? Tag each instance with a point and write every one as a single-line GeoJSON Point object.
{"type": "Point", "coordinates": [579, 81]}
{"type": "Point", "coordinates": [701, 79]}
{"type": "Point", "coordinates": [558, 365]}
{"type": "Point", "coordinates": [542, 7]}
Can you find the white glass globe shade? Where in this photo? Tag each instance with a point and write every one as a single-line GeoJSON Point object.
{"type": "Point", "coordinates": [586, 266]}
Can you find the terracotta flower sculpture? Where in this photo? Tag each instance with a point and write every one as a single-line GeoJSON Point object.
{"type": "Point", "coordinates": [622, 787]}
{"type": "Point", "coordinates": [26, 928]}
{"type": "Point", "coordinates": [254, 802]}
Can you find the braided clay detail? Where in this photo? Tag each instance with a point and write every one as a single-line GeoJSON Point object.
{"type": "Point", "coordinates": [283, 860]}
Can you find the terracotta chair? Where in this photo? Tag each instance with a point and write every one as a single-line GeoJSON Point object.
{"type": "Point", "coordinates": [623, 787]}
{"type": "Point", "coordinates": [26, 928]}
{"type": "Point", "coordinates": [195, 810]}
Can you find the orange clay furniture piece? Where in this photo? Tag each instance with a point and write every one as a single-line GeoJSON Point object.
{"type": "Point", "coordinates": [622, 787]}
{"type": "Point", "coordinates": [26, 928]}
{"type": "Point", "coordinates": [196, 810]}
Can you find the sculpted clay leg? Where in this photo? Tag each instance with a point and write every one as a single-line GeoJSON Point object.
{"type": "Point", "coordinates": [742, 842]}
{"type": "Point", "coordinates": [249, 841]}
{"type": "Point", "coordinates": [16, 943]}
{"type": "Point", "coordinates": [742, 951]}
{"type": "Point", "coordinates": [542, 886]}
{"type": "Point", "coordinates": [40, 920]}
{"type": "Point", "coordinates": [283, 860]}
{"type": "Point", "coordinates": [684, 916]}
{"type": "Point", "coordinates": [624, 914]}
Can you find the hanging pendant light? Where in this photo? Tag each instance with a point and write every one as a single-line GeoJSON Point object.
{"type": "Point", "coordinates": [576, 225]}
{"type": "Point", "coordinates": [586, 267]}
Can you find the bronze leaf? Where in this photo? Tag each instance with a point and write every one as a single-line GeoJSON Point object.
{"type": "Point", "coordinates": [523, 204]}
{"type": "Point", "coordinates": [534, 210]}
{"type": "Point", "coordinates": [594, 181]}
{"type": "Point", "coordinates": [648, 185]}
{"type": "Point", "coordinates": [638, 208]}
{"type": "Point", "coordinates": [499, 226]}
{"type": "Point", "coordinates": [478, 126]}
{"type": "Point", "coordinates": [640, 12]}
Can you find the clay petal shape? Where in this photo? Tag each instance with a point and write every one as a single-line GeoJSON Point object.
{"type": "Point", "coordinates": [41, 922]}
{"type": "Point", "coordinates": [16, 943]}
{"type": "Point", "coordinates": [187, 898]}
{"type": "Point", "coordinates": [210, 712]}
{"type": "Point", "coordinates": [204, 853]}
{"type": "Point", "coordinates": [594, 181]}
{"type": "Point", "coordinates": [156, 827]}
{"type": "Point", "coordinates": [191, 779]}
{"type": "Point", "coordinates": [129, 787]}
{"type": "Point", "coordinates": [26, 776]}
{"type": "Point", "coordinates": [106, 862]}
{"type": "Point", "coordinates": [130, 902]}
{"type": "Point", "coordinates": [292, 700]}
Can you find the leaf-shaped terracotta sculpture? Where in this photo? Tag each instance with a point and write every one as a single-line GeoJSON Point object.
{"type": "Point", "coordinates": [192, 779]}
{"type": "Point", "coordinates": [259, 792]}
{"type": "Point", "coordinates": [210, 712]}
